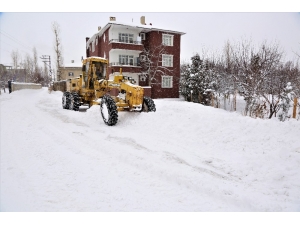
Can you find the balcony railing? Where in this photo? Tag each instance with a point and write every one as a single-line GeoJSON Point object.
{"type": "Point", "coordinates": [124, 64]}
{"type": "Point", "coordinates": [126, 42]}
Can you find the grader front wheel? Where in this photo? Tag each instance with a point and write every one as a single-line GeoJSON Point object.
{"type": "Point", "coordinates": [148, 105]}
{"type": "Point", "coordinates": [109, 110]}
{"type": "Point", "coordinates": [66, 100]}
{"type": "Point", "coordinates": [74, 101]}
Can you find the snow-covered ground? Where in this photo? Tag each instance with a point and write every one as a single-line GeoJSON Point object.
{"type": "Point", "coordinates": [185, 157]}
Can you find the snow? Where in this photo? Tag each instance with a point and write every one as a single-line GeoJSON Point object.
{"type": "Point", "coordinates": [185, 157]}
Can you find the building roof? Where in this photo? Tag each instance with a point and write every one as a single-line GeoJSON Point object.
{"type": "Point", "coordinates": [75, 65]}
{"type": "Point", "coordinates": [144, 28]}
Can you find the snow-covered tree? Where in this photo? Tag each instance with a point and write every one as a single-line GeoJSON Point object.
{"type": "Point", "coordinates": [256, 73]}
{"type": "Point", "coordinates": [198, 82]}
{"type": "Point", "coordinates": [286, 102]}
{"type": "Point", "coordinates": [256, 77]}
{"type": "Point", "coordinates": [184, 89]}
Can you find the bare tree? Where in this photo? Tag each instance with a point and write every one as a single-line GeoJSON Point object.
{"type": "Point", "coordinates": [29, 67]}
{"type": "Point", "coordinates": [226, 67]}
{"type": "Point", "coordinates": [152, 64]}
{"type": "Point", "coordinates": [35, 61]}
{"type": "Point", "coordinates": [45, 74]}
{"type": "Point", "coordinates": [57, 48]}
{"type": "Point", "coordinates": [16, 59]}
{"type": "Point", "coordinates": [296, 53]}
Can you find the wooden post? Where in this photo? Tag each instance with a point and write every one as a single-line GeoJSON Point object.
{"type": "Point", "coordinates": [234, 100]}
{"type": "Point", "coordinates": [295, 108]}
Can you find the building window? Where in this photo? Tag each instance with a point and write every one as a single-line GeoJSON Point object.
{"type": "Point", "coordinates": [167, 39]}
{"type": "Point", "coordinates": [167, 60]}
{"type": "Point", "coordinates": [143, 77]}
{"type": "Point", "coordinates": [96, 40]}
{"type": "Point", "coordinates": [71, 74]}
{"type": "Point", "coordinates": [104, 37]}
{"type": "Point", "coordinates": [104, 56]}
{"type": "Point", "coordinates": [143, 36]}
{"type": "Point", "coordinates": [167, 82]}
{"type": "Point", "coordinates": [126, 38]}
{"type": "Point", "coordinates": [126, 59]}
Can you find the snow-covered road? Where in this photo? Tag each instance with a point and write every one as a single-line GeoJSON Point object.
{"type": "Point", "coordinates": [183, 157]}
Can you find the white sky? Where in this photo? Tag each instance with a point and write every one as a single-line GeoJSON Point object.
{"type": "Point", "coordinates": [207, 27]}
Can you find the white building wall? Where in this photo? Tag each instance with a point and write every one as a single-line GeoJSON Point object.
{"type": "Point", "coordinates": [114, 54]}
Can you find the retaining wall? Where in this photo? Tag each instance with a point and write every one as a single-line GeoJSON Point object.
{"type": "Point", "coordinates": [19, 86]}
{"type": "Point", "coordinates": [59, 85]}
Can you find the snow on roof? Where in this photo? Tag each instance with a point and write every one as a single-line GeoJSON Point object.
{"type": "Point", "coordinates": [148, 28]}
{"type": "Point", "coordinates": [23, 83]}
{"type": "Point", "coordinates": [73, 65]}
{"type": "Point", "coordinates": [145, 28]}
{"type": "Point", "coordinates": [97, 57]}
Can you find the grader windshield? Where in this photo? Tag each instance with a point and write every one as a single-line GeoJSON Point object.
{"type": "Point", "coordinates": [94, 68]}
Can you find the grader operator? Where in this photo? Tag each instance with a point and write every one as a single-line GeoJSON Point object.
{"type": "Point", "coordinates": [93, 88]}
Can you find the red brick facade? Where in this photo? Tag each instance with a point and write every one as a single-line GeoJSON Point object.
{"type": "Point", "coordinates": [108, 47]}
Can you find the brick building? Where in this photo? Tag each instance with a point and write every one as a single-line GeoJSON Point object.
{"type": "Point", "coordinates": [130, 47]}
{"type": "Point", "coordinates": [70, 70]}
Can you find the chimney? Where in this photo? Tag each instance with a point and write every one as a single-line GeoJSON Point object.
{"type": "Point", "coordinates": [143, 20]}
{"type": "Point", "coordinates": [99, 28]}
{"type": "Point", "coordinates": [112, 18]}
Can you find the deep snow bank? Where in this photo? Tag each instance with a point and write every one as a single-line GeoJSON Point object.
{"type": "Point", "coordinates": [183, 157]}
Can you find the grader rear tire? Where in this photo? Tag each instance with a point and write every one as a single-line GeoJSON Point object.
{"type": "Point", "coordinates": [109, 110]}
{"type": "Point", "coordinates": [66, 100]}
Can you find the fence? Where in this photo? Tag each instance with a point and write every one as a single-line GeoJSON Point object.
{"type": "Point", "coordinates": [59, 85]}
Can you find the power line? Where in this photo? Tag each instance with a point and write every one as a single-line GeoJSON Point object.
{"type": "Point", "coordinates": [5, 50]}
{"type": "Point", "coordinates": [12, 46]}
{"type": "Point", "coordinates": [18, 41]}
{"type": "Point", "coordinates": [15, 39]}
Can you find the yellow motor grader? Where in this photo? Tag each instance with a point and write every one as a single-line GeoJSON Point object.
{"type": "Point", "coordinates": [93, 88]}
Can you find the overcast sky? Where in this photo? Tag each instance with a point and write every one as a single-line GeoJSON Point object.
{"type": "Point", "coordinates": [22, 29]}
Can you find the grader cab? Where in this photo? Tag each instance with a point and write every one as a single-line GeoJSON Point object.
{"type": "Point", "coordinates": [93, 87]}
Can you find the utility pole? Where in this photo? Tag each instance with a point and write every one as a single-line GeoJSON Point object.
{"type": "Point", "coordinates": [47, 60]}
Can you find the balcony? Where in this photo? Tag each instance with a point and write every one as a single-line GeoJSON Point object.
{"type": "Point", "coordinates": [124, 64]}
{"type": "Point", "coordinates": [125, 41]}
